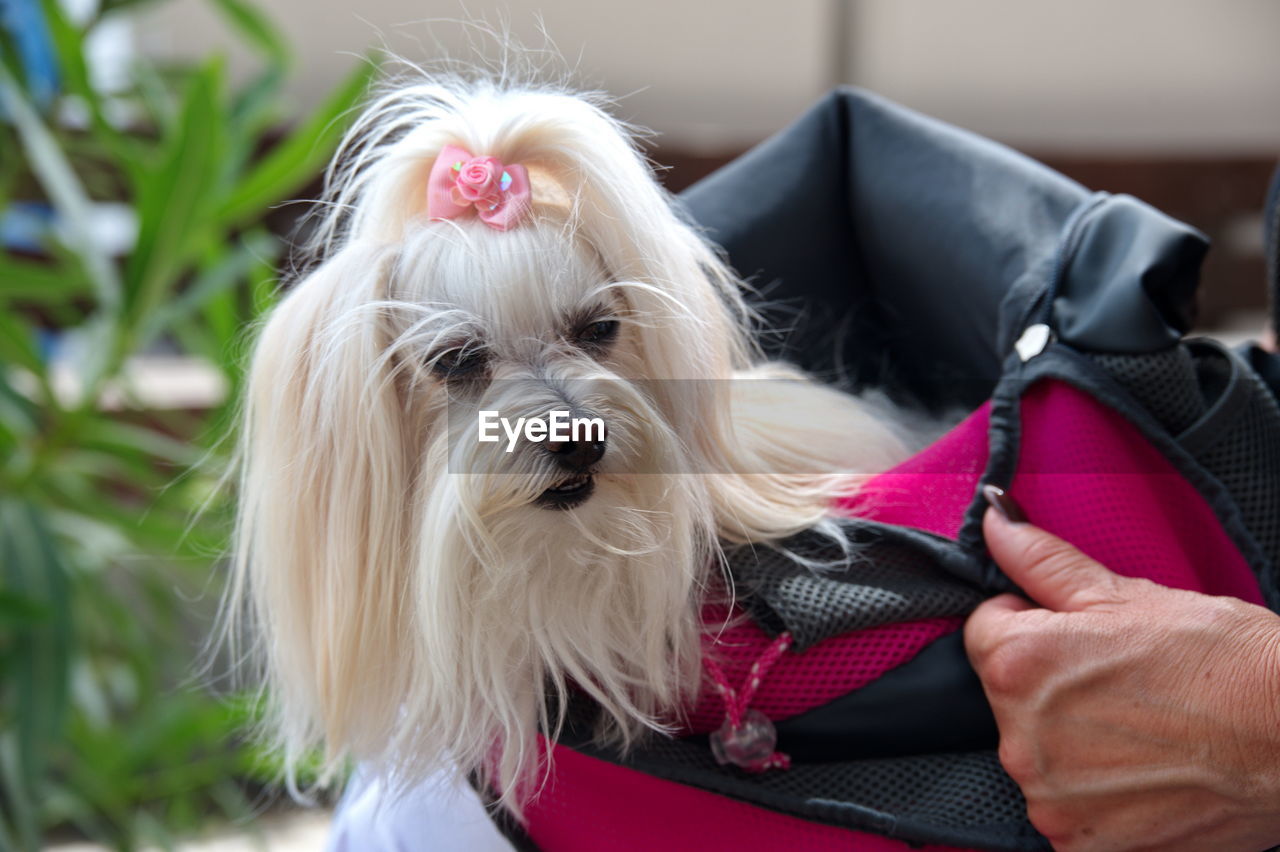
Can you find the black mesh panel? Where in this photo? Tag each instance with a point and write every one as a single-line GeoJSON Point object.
{"type": "Point", "coordinates": [887, 577]}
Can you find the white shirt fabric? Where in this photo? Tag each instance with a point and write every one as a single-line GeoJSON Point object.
{"type": "Point", "coordinates": [442, 813]}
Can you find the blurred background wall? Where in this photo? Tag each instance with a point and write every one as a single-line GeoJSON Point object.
{"type": "Point", "coordinates": [1097, 75]}
{"type": "Point", "coordinates": [1177, 101]}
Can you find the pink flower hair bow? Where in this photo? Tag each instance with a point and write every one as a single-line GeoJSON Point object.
{"type": "Point", "coordinates": [460, 183]}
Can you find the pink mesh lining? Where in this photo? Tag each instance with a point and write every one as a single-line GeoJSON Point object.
{"type": "Point", "coordinates": [1085, 473]}
{"type": "Point", "coordinates": [801, 681]}
{"type": "Point", "coordinates": [930, 490]}
{"type": "Point", "coordinates": [594, 806]}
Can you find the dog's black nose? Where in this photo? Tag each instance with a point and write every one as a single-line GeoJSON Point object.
{"type": "Point", "coordinates": [576, 455]}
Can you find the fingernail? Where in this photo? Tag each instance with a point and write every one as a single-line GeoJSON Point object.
{"type": "Point", "coordinates": [1004, 504]}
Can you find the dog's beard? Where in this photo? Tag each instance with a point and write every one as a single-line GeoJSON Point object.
{"type": "Point", "coordinates": [517, 604]}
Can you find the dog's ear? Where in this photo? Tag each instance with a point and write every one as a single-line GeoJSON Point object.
{"type": "Point", "coordinates": [323, 527]}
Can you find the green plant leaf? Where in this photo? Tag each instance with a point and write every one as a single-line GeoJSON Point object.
{"type": "Point", "coordinates": [257, 29]}
{"type": "Point", "coordinates": [63, 187]}
{"type": "Point", "coordinates": [109, 6]}
{"type": "Point", "coordinates": [256, 105]}
{"type": "Point", "coordinates": [17, 609]}
{"type": "Point", "coordinates": [18, 345]}
{"type": "Point", "coordinates": [33, 567]}
{"type": "Point", "coordinates": [114, 436]}
{"type": "Point", "coordinates": [265, 290]}
{"type": "Point", "coordinates": [155, 96]}
{"type": "Point", "coordinates": [99, 528]}
{"type": "Point", "coordinates": [174, 199]}
{"type": "Point", "coordinates": [20, 419]}
{"type": "Point", "coordinates": [40, 283]}
{"type": "Point", "coordinates": [231, 267]}
{"type": "Point", "coordinates": [19, 821]}
{"type": "Point", "coordinates": [68, 42]}
{"type": "Point", "coordinates": [255, 110]}
{"type": "Point", "coordinates": [300, 157]}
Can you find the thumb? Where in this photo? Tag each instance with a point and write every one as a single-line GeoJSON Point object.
{"type": "Point", "coordinates": [1052, 573]}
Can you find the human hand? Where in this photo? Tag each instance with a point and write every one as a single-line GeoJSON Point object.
{"type": "Point", "coordinates": [1132, 716]}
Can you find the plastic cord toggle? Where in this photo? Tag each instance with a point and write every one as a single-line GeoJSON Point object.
{"type": "Point", "coordinates": [747, 738]}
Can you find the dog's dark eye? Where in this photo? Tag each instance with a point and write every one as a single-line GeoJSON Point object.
{"type": "Point", "coordinates": [598, 335]}
{"type": "Point", "coordinates": [459, 363]}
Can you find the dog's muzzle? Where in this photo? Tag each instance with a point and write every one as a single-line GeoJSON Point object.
{"type": "Point", "coordinates": [578, 458]}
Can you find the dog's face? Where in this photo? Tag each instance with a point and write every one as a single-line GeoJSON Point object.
{"type": "Point", "coordinates": [522, 325]}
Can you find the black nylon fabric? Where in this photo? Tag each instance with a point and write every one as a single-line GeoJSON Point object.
{"type": "Point", "coordinates": [1126, 279]}
{"type": "Point", "coordinates": [898, 236]}
{"type": "Point", "coordinates": [897, 715]}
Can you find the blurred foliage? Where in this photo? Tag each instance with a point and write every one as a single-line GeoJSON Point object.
{"type": "Point", "coordinates": [104, 592]}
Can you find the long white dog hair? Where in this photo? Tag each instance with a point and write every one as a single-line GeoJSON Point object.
{"type": "Point", "coordinates": [416, 601]}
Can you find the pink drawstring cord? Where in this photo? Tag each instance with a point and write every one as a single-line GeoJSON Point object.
{"type": "Point", "coordinates": [747, 738]}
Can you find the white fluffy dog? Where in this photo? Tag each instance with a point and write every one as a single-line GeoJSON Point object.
{"type": "Point", "coordinates": [422, 598]}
